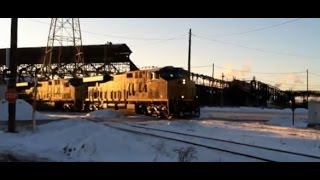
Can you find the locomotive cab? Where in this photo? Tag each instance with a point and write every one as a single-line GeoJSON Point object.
{"type": "Point", "coordinates": [181, 92]}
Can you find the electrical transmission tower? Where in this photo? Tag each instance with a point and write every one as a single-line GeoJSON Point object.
{"type": "Point", "coordinates": [63, 32]}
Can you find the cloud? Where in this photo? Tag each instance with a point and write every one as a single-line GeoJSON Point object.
{"type": "Point", "coordinates": [291, 81]}
{"type": "Point", "coordinates": [229, 73]}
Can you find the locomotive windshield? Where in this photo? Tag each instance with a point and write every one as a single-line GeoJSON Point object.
{"type": "Point", "coordinates": [171, 73]}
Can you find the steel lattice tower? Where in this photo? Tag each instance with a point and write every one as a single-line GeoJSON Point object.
{"type": "Point", "coordinates": [63, 32]}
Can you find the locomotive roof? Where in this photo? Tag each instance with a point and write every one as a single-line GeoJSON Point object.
{"type": "Point", "coordinates": [159, 68]}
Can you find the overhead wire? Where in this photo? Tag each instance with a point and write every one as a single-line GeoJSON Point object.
{"type": "Point", "coordinates": [314, 73]}
{"type": "Point", "coordinates": [256, 49]}
{"type": "Point", "coordinates": [251, 72]}
{"type": "Point", "coordinates": [262, 28]}
{"type": "Point", "coordinates": [160, 40]}
{"type": "Point", "coordinates": [117, 36]}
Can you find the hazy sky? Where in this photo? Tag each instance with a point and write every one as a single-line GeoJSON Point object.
{"type": "Point", "coordinates": [269, 49]}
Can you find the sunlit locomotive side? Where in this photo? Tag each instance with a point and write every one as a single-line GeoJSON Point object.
{"type": "Point", "coordinates": [60, 94]}
{"type": "Point", "coordinates": [165, 92]}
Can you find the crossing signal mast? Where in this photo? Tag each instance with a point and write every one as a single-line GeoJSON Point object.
{"type": "Point", "coordinates": [63, 32]}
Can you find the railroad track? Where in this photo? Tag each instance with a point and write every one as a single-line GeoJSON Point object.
{"type": "Point", "coordinates": [255, 152]}
{"type": "Point", "coordinates": [297, 130]}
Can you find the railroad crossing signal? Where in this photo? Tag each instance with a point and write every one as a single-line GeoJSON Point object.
{"type": "Point", "coordinates": [11, 95]}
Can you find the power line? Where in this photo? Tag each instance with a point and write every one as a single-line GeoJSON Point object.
{"type": "Point", "coordinates": [126, 37]}
{"type": "Point", "coordinates": [256, 49]}
{"type": "Point", "coordinates": [262, 28]}
{"type": "Point", "coordinates": [137, 38]}
{"type": "Point", "coordinates": [299, 72]}
{"type": "Point", "coordinates": [160, 41]}
{"type": "Point", "coordinates": [35, 20]}
{"type": "Point", "coordinates": [283, 83]}
{"type": "Point", "coordinates": [314, 73]}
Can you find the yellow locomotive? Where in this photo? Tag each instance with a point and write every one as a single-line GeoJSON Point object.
{"type": "Point", "coordinates": [163, 92]}
{"type": "Point", "coordinates": [63, 94]}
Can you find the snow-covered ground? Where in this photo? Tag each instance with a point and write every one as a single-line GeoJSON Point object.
{"type": "Point", "coordinates": [251, 110]}
{"type": "Point", "coordinates": [78, 139]}
{"type": "Point", "coordinates": [252, 114]}
{"type": "Point", "coordinates": [106, 113]}
{"type": "Point", "coordinates": [23, 111]}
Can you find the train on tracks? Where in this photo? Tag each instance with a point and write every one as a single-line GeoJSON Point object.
{"type": "Point", "coordinates": [165, 92]}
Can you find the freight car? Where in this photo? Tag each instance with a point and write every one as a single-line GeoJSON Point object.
{"type": "Point", "coordinates": [165, 92]}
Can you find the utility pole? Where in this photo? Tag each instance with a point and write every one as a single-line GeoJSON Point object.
{"type": "Point", "coordinates": [189, 54]}
{"type": "Point", "coordinates": [307, 87]}
{"type": "Point", "coordinates": [13, 74]}
{"type": "Point", "coordinates": [35, 90]}
{"type": "Point", "coordinates": [212, 70]}
{"type": "Point", "coordinates": [212, 84]}
{"type": "Point", "coordinates": [222, 86]}
{"type": "Point", "coordinates": [293, 106]}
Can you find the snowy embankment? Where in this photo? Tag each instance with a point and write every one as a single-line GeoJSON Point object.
{"type": "Point", "coordinates": [250, 113]}
{"type": "Point", "coordinates": [81, 140]}
{"type": "Point", "coordinates": [252, 110]}
{"type": "Point", "coordinates": [23, 111]}
{"type": "Point", "coordinates": [105, 113]}
{"type": "Point", "coordinates": [288, 122]}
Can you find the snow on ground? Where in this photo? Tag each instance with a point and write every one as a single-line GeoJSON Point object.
{"type": "Point", "coordinates": [285, 138]}
{"type": "Point", "coordinates": [249, 113]}
{"type": "Point", "coordinates": [66, 115]}
{"type": "Point", "coordinates": [287, 122]}
{"type": "Point", "coordinates": [23, 111]}
{"type": "Point", "coordinates": [252, 110]}
{"type": "Point", "coordinates": [80, 140]}
{"type": "Point", "coordinates": [105, 113]}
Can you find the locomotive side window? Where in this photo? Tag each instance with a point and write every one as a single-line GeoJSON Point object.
{"type": "Point", "coordinates": [129, 75]}
{"type": "Point", "coordinates": [50, 82]}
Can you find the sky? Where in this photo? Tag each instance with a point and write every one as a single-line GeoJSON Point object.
{"type": "Point", "coordinates": [277, 51]}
